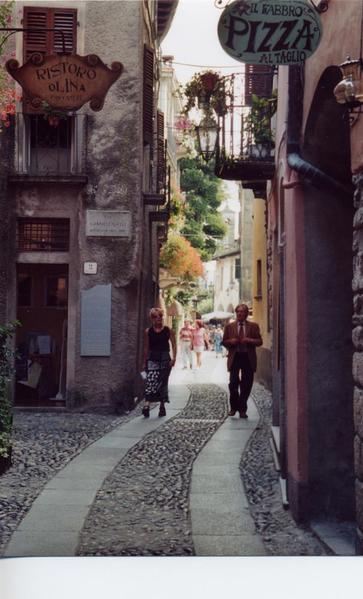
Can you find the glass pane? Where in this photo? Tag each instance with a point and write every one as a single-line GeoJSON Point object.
{"type": "Point", "coordinates": [56, 292]}
{"type": "Point", "coordinates": [24, 290]}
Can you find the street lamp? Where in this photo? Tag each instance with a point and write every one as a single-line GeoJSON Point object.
{"type": "Point", "coordinates": [207, 134]}
{"type": "Point", "coordinates": [349, 90]}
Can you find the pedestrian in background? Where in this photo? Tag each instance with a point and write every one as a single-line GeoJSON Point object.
{"type": "Point", "coordinates": [157, 361]}
{"type": "Point", "coordinates": [199, 341]}
{"type": "Point", "coordinates": [218, 337]}
{"type": "Point", "coordinates": [185, 336]}
{"type": "Point", "coordinates": [241, 339]}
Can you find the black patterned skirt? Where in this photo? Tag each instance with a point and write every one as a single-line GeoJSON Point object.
{"type": "Point", "coordinates": [157, 377]}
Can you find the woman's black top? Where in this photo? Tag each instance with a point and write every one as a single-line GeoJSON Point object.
{"type": "Point", "coordinates": [159, 342]}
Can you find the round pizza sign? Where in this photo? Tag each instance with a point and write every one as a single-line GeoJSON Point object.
{"type": "Point", "coordinates": [270, 32]}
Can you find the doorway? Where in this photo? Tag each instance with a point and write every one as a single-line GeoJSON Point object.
{"type": "Point", "coordinates": [41, 341]}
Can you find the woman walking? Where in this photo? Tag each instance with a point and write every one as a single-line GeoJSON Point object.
{"type": "Point", "coordinates": [199, 341]}
{"type": "Point", "coordinates": [157, 361]}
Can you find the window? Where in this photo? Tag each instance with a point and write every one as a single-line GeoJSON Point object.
{"type": "Point", "coordinates": [49, 42]}
{"type": "Point", "coordinates": [161, 166]}
{"type": "Point", "coordinates": [259, 280]}
{"type": "Point", "coordinates": [56, 292]}
{"type": "Point", "coordinates": [237, 268]}
{"type": "Point", "coordinates": [43, 234]}
{"type": "Point", "coordinates": [46, 148]}
{"type": "Point", "coordinates": [148, 104]}
{"type": "Point", "coordinates": [24, 290]}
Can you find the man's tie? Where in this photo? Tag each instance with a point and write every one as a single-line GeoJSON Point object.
{"type": "Point", "coordinates": [241, 332]}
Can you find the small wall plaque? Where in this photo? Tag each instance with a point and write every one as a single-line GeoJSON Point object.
{"type": "Point", "coordinates": [90, 268]}
{"type": "Point", "coordinates": [108, 223]}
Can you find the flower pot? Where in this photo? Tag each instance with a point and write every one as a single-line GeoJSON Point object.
{"type": "Point", "coordinates": [209, 81]}
{"type": "Point", "coordinates": [260, 151]}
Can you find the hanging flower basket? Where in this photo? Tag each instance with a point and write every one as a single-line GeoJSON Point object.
{"type": "Point", "coordinates": [53, 115]}
{"type": "Point", "coordinates": [207, 90]}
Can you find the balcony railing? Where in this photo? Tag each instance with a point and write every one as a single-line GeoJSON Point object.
{"type": "Point", "coordinates": [246, 140]}
{"type": "Point", "coordinates": [43, 149]}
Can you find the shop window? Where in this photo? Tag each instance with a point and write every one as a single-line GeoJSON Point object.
{"type": "Point", "coordinates": [24, 290]}
{"type": "Point", "coordinates": [43, 234]}
{"type": "Point", "coordinates": [56, 292]}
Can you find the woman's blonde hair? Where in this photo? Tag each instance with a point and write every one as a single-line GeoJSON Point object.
{"type": "Point", "coordinates": [155, 312]}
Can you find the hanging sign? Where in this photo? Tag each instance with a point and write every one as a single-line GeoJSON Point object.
{"type": "Point", "coordinates": [66, 81]}
{"type": "Point", "coordinates": [270, 32]}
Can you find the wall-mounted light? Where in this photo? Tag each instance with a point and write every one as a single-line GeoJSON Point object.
{"type": "Point", "coordinates": [349, 90]}
{"type": "Point", "coordinates": [207, 134]}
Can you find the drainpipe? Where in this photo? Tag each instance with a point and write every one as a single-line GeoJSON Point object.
{"type": "Point", "coordinates": [306, 170]}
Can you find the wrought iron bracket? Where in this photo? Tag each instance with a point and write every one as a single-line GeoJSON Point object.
{"type": "Point", "coordinates": [13, 30]}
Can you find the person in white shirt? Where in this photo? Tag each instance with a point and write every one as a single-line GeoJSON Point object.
{"type": "Point", "coordinates": [185, 337]}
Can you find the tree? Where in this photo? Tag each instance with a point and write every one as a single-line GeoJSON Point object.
{"type": "Point", "coordinates": [180, 258]}
{"type": "Point", "coordinates": [203, 224]}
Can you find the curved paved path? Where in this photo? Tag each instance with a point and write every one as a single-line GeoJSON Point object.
{"type": "Point", "coordinates": [220, 518]}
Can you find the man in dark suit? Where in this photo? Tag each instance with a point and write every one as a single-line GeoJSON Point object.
{"type": "Point", "coordinates": [241, 339]}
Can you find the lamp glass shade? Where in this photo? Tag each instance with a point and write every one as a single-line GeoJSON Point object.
{"type": "Point", "coordinates": [207, 133]}
{"type": "Point", "coordinates": [348, 91]}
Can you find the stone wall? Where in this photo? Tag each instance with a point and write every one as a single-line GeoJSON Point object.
{"type": "Point", "coordinates": [358, 355]}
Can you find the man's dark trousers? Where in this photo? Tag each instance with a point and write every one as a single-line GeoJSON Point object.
{"type": "Point", "coordinates": [240, 382]}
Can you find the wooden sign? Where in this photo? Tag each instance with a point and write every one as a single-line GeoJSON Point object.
{"type": "Point", "coordinates": [66, 81]}
{"type": "Point", "coordinates": [270, 32]}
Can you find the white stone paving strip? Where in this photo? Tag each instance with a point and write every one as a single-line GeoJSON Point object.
{"type": "Point", "coordinates": [221, 521]}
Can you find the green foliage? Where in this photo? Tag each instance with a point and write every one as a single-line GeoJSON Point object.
{"type": "Point", "coordinates": [258, 121]}
{"type": "Point", "coordinates": [203, 225]}
{"type": "Point", "coordinates": [206, 305]}
{"type": "Point", "coordinates": [6, 369]}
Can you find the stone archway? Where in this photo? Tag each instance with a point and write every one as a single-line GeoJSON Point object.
{"type": "Point", "coordinates": [328, 257]}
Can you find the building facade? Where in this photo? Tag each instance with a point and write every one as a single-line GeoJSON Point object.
{"type": "Point", "coordinates": [312, 205]}
{"type": "Point", "coordinates": [84, 210]}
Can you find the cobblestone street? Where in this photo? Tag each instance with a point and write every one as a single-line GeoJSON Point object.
{"type": "Point", "coordinates": [142, 506]}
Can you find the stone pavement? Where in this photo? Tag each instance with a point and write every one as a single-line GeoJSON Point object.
{"type": "Point", "coordinates": [221, 523]}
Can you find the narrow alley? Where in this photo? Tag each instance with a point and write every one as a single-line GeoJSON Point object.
{"type": "Point", "coordinates": [192, 483]}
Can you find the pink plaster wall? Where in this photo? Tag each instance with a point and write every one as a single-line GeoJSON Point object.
{"type": "Point", "coordinates": [295, 342]}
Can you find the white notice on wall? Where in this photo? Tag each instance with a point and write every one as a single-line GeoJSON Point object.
{"type": "Point", "coordinates": [108, 223]}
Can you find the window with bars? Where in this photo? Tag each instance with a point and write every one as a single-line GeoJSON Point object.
{"type": "Point", "coordinates": [43, 234]}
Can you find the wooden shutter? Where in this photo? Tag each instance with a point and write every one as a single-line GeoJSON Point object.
{"type": "Point", "coordinates": [65, 20]}
{"type": "Point", "coordinates": [148, 107]}
{"type": "Point", "coordinates": [36, 41]}
{"type": "Point", "coordinates": [49, 42]}
{"type": "Point", "coordinates": [258, 80]}
{"type": "Point", "coordinates": [161, 171]}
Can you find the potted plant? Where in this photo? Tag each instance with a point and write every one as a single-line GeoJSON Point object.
{"type": "Point", "coordinates": [257, 125]}
{"type": "Point", "coordinates": [209, 91]}
{"type": "Point", "coordinates": [53, 115]}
